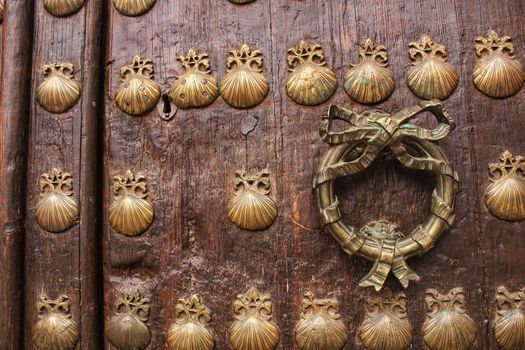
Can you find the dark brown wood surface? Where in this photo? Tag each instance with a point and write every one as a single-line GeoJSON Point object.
{"type": "Point", "coordinates": [14, 108]}
{"type": "Point", "coordinates": [66, 263]}
{"type": "Point", "coordinates": [189, 163]}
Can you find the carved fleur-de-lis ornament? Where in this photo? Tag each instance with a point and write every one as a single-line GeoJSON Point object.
{"type": "Point", "coordinates": [133, 8]}
{"type": "Point", "coordinates": [189, 332]}
{"type": "Point", "coordinates": [59, 91]}
{"type": "Point", "coordinates": [138, 93]}
{"type": "Point", "coordinates": [55, 328]}
{"type": "Point", "coordinates": [130, 214]}
{"type": "Point", "coordinates": [370, 81]}
{"type": "Point", "coordinates": [448, 327]}
{"type": "Point", "coordinates": [386, 326]}
{"type": "Point", "coordinates": [127, 329]}
{"type": "Point", "coordinates": [62, 8]}
{"type": "Point", "coordinates": [509, 327]}
{"type": "Point", "coordinates": [430, 75]}
{"type": "Point", "coordinates": [56, 211]}
{"type": "Point", "coordinates": [197, 87]}
{"type": "Point", "coordinates": [253, 328]}
{"type": "Point", "coordinates": [505, 195]}
{"type": "Point", "coordinates": [497, 72]}
{"type": "Point", "coordinates": [310, 82]}
{"type": "Point", "coordinates": [320, 327]}
{"type": "Point", "coordinates": [244, 85]}
{"type": "Point", "coordinates": [251, 207]}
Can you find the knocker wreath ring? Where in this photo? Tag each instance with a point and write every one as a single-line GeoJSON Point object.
{"type": "Point", "coordinates": [370, 135]}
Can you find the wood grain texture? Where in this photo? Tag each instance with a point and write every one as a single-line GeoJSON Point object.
{"type": "Point", "coordinates": [14, 93]}
{"type": "Point", "coordinates": [66, 263]}
{"type": "Point", "coordinates": [189, 163]}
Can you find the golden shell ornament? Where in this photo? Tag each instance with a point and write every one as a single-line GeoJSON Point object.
{"type": "Point", "coordinates": [59, 91]}
{"type": "Point", "coordinates": [447, 326]}
{"type": "Point", "coordinates": [430, 76]}
{"type": "Point", "coordinates": [55, 328]}
{"type": "Point", "coordinates": [138, 93]}
{"type": "Point", "coordinates": [320, 327]}
{"type": "Point", "coordinates": [310, 83]}
{"type": "Point", "coordinates": [196, 87]}
{"type": "Point", "coordinates": [505, 195]}
{"type": "Point", "coordinates": [241, 1]}
{"type": "Point", "coordinates": [251, 207]}
{"type": "Point", "coordinates": [386, 326]}
{"type": "Point", "coordinates": [253, 328]}
{"type": "Point", "coordinates": [63, 8]}
{"type": "Point", "coordinates": [497, 72]}
{"type": "Point", "coordinates": [509, 327]}
{"type": "Point", "coordinates": [133, 8]}
{"type": "Point", "coordinates": [56, 211]}
{"type": "Point", "coordinates": [189, 331]}
{"type": "Point", "coordinates": [370, 81]}
{"type": "Point", "coordinates": [127, 330]}
{"type": "Point", "coordinates": [130, 214]}
{"type": "Point", "coordinates": [2, 6]}
{"type": "Point", "coordinates": [244, 85]}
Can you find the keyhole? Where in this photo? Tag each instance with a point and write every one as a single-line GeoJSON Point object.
{"type": "Point", "coordinates": [166, 108]}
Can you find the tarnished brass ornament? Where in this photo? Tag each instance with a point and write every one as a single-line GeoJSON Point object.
{"type": "Point", "coordinates": [447, 326]}
{"type": "Point", "coordinates": [374, 134]}
{"type": "Point", "coordinates": [386, 326]}
{"type": "Point", "coordinates": [497, 72]}
{"type": "Point", "coordinates": [127, 330]}
{"type": "Point", "coordinates": [56, 211]}
{"type": "Point", "coordinates": [310, 82]}
{"type": "Point", "coordinates": [241, 1]}
{"type": "Point", "coordinates": [138, 93]}
{"type": "Point", "coordinates": [244, 85]}
{"type": "Point", "coordinates": [196, 87]}
{"type": "Point", "coordinates": [59, 91]}
{"type": "Point", "coordinates": [320, 327]}
{"type": "Point", "coordinates": [130, 214]}
{"type": "Point", "coordinates": [251, 207]}
{"type": "Point", "coordinates": [133, 7]}
{"type": "Point", "coordinates": [370, 81]}
{"type": "Point", "coordinates": [509, 327]}
{"type": "Point", "coordinates": [189, 331]}
{"type": "Point", "coordinates": [431, 76]}
{"type": "Point", "coordinates": [253, 328]}
{"type": "Point", "coordinates": [63, 8]}
{"type": "Point", "coordinates": [505, 195]}
{"type": "Point", "coordinates": [55, 329]}
{"type": "Point", "coordinates": [2, 10]}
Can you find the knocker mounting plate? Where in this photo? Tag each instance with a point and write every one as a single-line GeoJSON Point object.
{"type": "Point", "coordinates": [369, 135]}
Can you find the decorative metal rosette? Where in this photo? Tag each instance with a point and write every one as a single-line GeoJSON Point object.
{"type": "Point", "coordinates": [370, 135]}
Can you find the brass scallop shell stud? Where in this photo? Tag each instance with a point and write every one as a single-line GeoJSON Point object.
{"type": "Point", "coordinates": [55, 328]}
{"type": "Point", "coordinates": [386, 325]}
{"type": "Point", "coordinates": [196, 87]}
{"type": "Point", "coordinates": [370, 81]}
{"type": "Point", "coordinates": [63, 8]}
{"type": "Point", "coordinates": [430, 76]}
{"type": "Point", "coordinates": [244, 85]}
{"type": "Point", "coordinates": [127, 329]}
{"type": "Point", "coordinates": [138, 93]}
{"type": "Point", "coordinates": [2, 10]}
{"type": "Point", "coordinates": [320, 327]}
{"type": "Point", "coordinates": [505, 195]}
{"type": "Point", "coordinates": [59, 91]}
{"type": "Point", "coordinates": [133, 8]}
{"type": "Point", "coordinates": [189, 331]}
{"type": "Point", "coordinates": [56, 211]}
{"type": "Point", "coordinates": [251, 207]}
{"type": "Point", "coordinates": [497, 72]}
{"type": "Point", "coordinates": [310, 83]}
{"type": "Point", "coordinates": [241, 1]}
{"type": "Point", "coordinates": [448, 326]}
{"type": "Point", "coordinates": [253, 328]}
{"type": "Point", "coordinates": [509, 327]}
{"type": "Point", "coordinates": [130, 214]}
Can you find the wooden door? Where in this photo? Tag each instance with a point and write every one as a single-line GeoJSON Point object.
{"type": "Point", "coordinates": [189, 162]}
